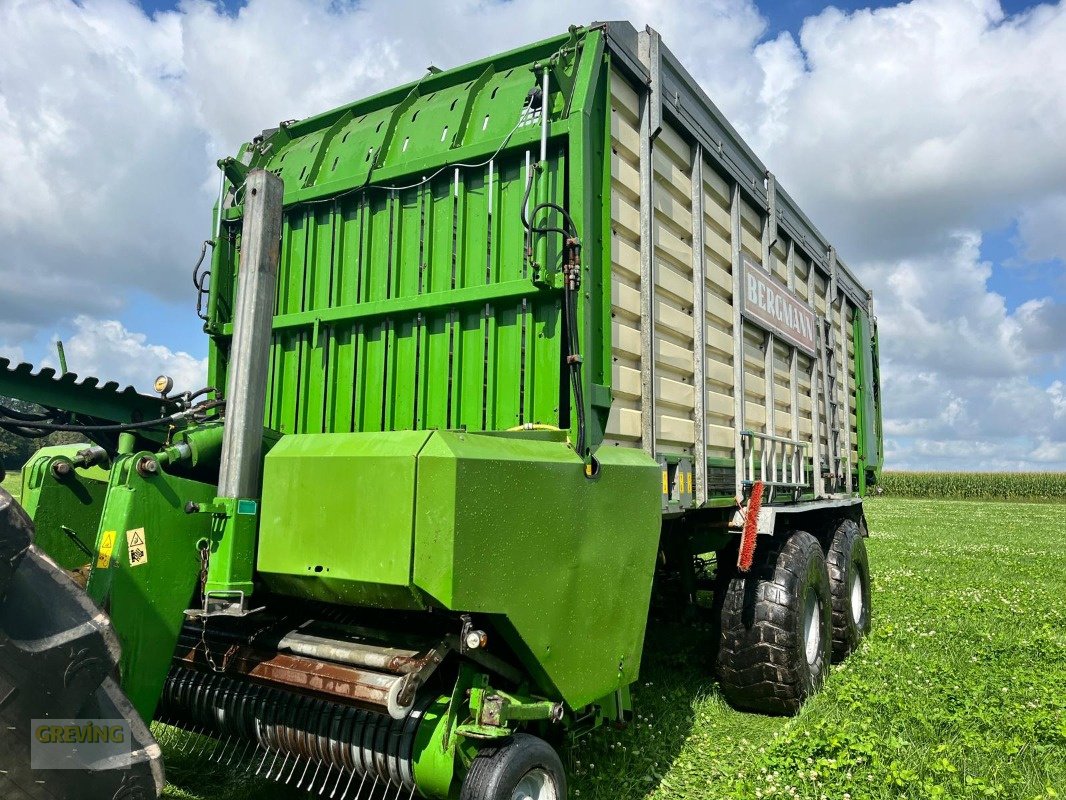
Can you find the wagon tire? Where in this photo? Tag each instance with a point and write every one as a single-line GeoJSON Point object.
{"type": "Point", "coordinates": [775, 641]}
{"type": "Point", "coordinates": [849, 583]}
{"type": "Point", "coordinates": [519, 766]}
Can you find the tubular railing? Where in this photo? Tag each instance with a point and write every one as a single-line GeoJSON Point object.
{"type": "Point", "coordinates": [776, 461]}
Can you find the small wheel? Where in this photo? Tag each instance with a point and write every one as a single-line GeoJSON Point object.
{"type": "Point", "coordinates": [849, 583]}
{"type": "Point", "coordinates": [522, 767]}
{"type": "Point", "coordinates": [774, 646]}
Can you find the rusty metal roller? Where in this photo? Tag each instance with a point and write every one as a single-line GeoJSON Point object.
{"type": "Point", "coordinates": [298, 735]}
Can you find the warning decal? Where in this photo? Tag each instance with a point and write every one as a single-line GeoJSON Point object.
{"type": "Point", "coordinates": [107, 545]}
{"type": "Point", "coordinates": [138, 548]}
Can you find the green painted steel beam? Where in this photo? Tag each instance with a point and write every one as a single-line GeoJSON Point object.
{"type": "Point", "coordinates": [452, 298]}
{"type": "Point", "coordinates": [386, 177]}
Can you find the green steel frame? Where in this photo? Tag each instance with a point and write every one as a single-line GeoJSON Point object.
{"type": "Point", "coordinates": [408, 302]}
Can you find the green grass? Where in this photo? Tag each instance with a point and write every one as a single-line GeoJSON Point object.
{"type": "Point", "coordinates": [1029, 486]}
{"type": "Point", "coordinates": [13, 483]}
{"type": "Point", "coordinates": [960, 692]}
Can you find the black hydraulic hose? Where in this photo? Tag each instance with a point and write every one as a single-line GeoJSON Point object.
{"type": "Point", "coordinates": [48, 427]}
{"type": "Point", "coordinates": [201, 280]}
{"type": "Point", "coordinates": [572, 252]}
{"type": "Point", "coordinates": [574, 367]}
{"type": "Point", "coordinates": [23, 416]}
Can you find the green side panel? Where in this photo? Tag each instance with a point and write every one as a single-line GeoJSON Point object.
{"type": "Point", "coordinates": [405, 297]}
{"type": "Point", "coordinates": [63, 509]}
{"type": "Point", "coordinates": [336, 519]}
{"type": "Point", "coordinates": [510, 526]}
{"type": "Point", "coordinates": [152, 572]}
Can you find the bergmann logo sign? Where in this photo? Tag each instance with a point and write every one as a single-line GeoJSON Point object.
{"type": "Point", "coordinates": [776, 309]}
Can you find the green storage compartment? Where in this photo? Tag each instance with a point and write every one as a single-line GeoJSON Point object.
{"type": "Point", "coordinates": [502, 524]}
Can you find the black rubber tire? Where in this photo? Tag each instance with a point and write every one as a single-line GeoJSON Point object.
{"type": "Point", "coordinates": [58, 652]}
{"type": "Point", "coordinates": [499, 767]}
{"type": "Point", "coordinates": [846, 556]}
{"type": "Point", "coordinates": [762, 661]}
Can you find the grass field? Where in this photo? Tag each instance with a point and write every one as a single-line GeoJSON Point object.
{"type": "Point", "coordinates": [12, 482]}
{"type": "Point", "coordinates": [960, 692]}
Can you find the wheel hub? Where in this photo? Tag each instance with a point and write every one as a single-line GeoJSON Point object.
{"type": "Point", "coordinates": [856, 590]}
{"type": "Point", "coordinates": [812, 626]}
{"type": "Point", "coordinates": [536, 784]}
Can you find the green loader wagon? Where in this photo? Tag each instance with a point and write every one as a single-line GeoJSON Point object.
{"type": "Point", "coordinates": [491, 354]}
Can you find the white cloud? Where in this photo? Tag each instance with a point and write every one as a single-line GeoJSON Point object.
{"type": "Point", "coordinates": [1041, 226]}
{"type": "Point", "coordinates": [105, 348]}
{"type": "Point", "coordinates": [904, 132]}
{"type": "Point", "coordinates": [903, 124]}
{"type": "Point", "coordinates": [937, 314]}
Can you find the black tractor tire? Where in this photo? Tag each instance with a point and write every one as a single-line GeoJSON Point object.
{"type": "Point", "coordinates": [774, 643]}
{"type": "Point", "coordinates": [499, 769]}
{"type": "Point", "coordinates": [849, 584]}
{"type": "Point", "coordinates": [58, 652]}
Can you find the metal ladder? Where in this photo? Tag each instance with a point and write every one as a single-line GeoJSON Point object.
{"type": "Point", "coordinates": [828, 359]}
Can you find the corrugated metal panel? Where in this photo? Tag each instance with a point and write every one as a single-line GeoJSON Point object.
{"type": "Point", "coordinates": [794, 412]}
{"type": "Point", "coordinates": [404, 297]}
{"type": "Point", "coordinates": [674, 333]}
{"type": "Point", "coordinates": [623, 423]}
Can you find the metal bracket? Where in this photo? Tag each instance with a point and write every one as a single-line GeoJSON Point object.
{"type": "Point", "coordinates": [648, 46]}
{"type": "Point", "coordinates": [771, 213]}
{"type": "Point", "coordinates": [223, 604]}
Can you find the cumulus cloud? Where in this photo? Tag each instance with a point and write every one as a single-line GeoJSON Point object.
{"type": "Point", "coordinates": [1041, 226]}
{"type": "Point", "coordinates": [937, 315]}
{"type": "Point", "coordinates": [105, 347]}
{"type": "Point", "coordinates": [901, 125]}
{"type": "Point", "coordinates": [904, 131]}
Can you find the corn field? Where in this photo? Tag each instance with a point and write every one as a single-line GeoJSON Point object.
{"type": "Point", "coordinates": [1031, 486]}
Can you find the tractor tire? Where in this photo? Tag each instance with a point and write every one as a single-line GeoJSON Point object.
{"type": "Point", "coordinates": [774, 644]}
{"type": "Point", "coordinates": [521, 766]}
{"type": "Point", "coordinates": [849, 584]}
{"type": "Point", "coordinates": [57, 655]}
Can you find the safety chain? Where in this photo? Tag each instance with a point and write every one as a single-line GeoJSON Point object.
{"type": "Point", "coordinates": [205, 557]}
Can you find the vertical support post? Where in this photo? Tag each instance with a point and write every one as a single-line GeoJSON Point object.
{"type": "Point", "coordinates": [768, 371]}
{"type": "Point", "coordinates": [249, 359]}
{"type": "Point", "coordinates": [544, 114]}
{"type": "Point", "coordinates": [769, 235]}
{"type": "Point", "coordinates": [845, 374]}
{"type": "Point", "coordinates": [650, 125]}
{"type": "Point", "coordinates": [62, 357]}
{"type": "Point", "coordinates": [816, 418]}
{"type": "Point", "coordinates": [232, 558]}
{"type": "Point", "coordinates": [793, 367]}
{"type": "Point", "coordinates": [832, 438]}
{"type": "Point", "coordinates": [699, 326]}
{"type": "Point", "coordinates": [739, 391]}
{"type": "Point", "coordinates": [771, 213]}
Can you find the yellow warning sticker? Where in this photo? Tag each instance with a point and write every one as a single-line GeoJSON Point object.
{"type": "Point", "coordinates": [137, 546]}
{"type": "Point", "coordinates": [107, 546]}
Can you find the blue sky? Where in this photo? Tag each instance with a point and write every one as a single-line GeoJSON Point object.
{"type": "Point", "coordinates": [923, 138]}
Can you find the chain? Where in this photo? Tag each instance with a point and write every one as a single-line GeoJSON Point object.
{"type": "Point", "coordinates": [205, 555]}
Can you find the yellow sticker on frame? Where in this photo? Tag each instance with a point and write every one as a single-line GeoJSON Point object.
{"type": "Point", "coordinates": [137, 547]}
{"type": "Point", "coordinates": [107, 546]}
